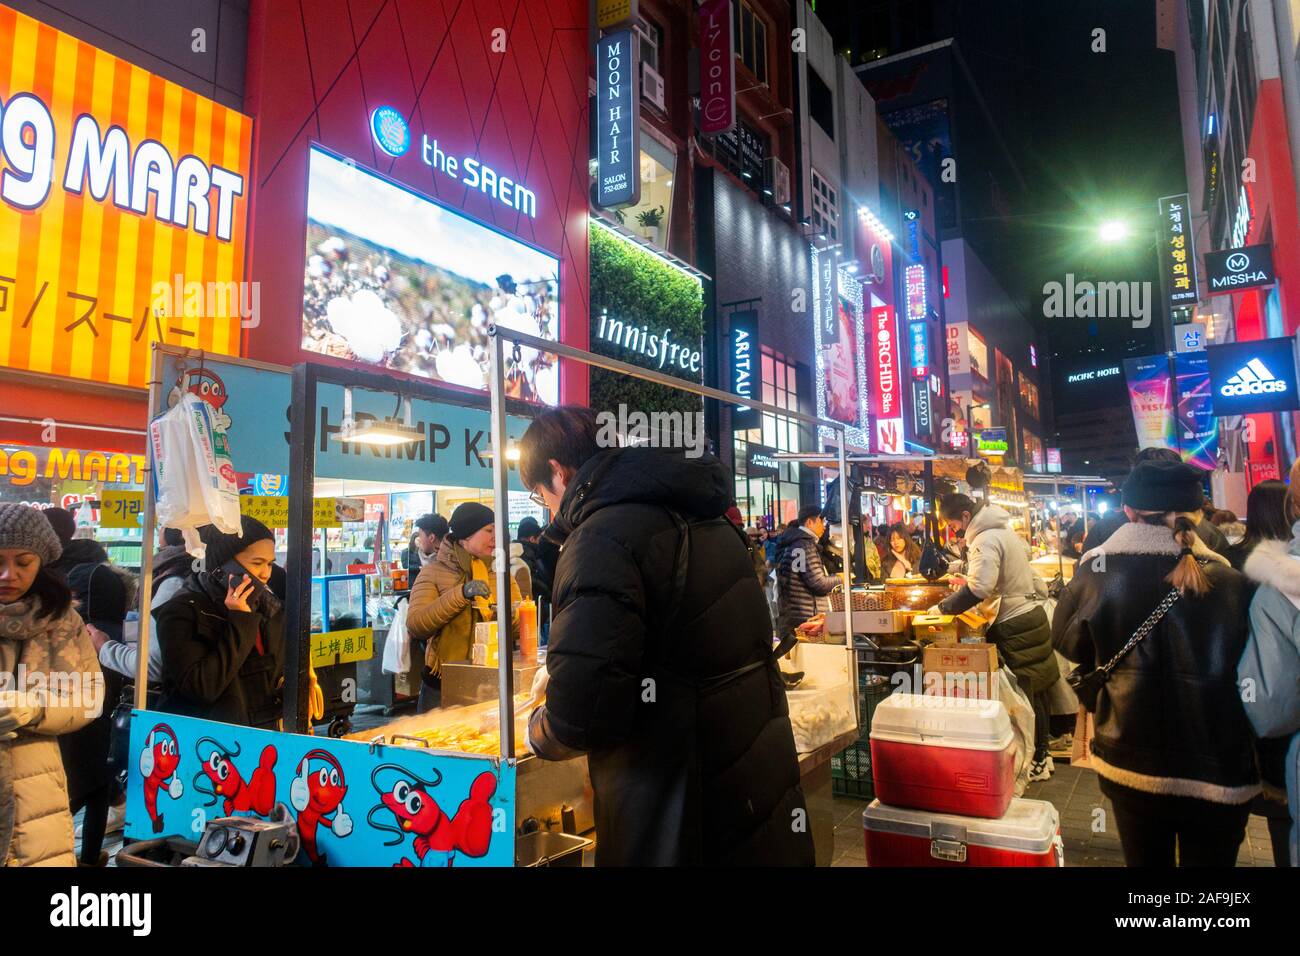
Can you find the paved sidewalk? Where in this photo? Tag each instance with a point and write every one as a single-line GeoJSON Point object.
{"type": "Point", "coordinates": [1077, 798]}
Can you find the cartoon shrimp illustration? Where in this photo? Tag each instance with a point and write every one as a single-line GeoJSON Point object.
{"type": "Point", "coordinates": [158, 762]}
{"type": "Point", "coordinates": [438, 838]}
{"type": "Point", "coordinates": [315, 794]}
{"type": "Point", "coordinates": [209, 387]}
{"type": "Point", "coordinates": [256, 795]}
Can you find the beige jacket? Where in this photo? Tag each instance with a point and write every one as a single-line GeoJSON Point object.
{"type": "Point", "coordinates": [441, 612]}
{"type": "Point", "coordinates": [53, 662]}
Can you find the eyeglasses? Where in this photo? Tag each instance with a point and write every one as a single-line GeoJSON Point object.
{"type": "Point", "coordinates": [536, 498]}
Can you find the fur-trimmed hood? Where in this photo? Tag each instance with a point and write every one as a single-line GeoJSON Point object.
{"type": "Point", "coordinates": [1276, 563]}
{"type": "Point", "coordinates": [1139, 538]}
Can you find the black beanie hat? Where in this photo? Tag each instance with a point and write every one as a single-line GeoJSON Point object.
{"type": "Point", "coordinates": [102, 594]}
{"type": "Point", "coordinates": [469, 518]}
{"type": "Point", "coordinates": [222, 547]}
{"type": "Point", "coordinates": [528, 527]}
{"type": "Point", "coordinates": [63, 523]}
{"type": "Point", "coordinates": [1164, 486]}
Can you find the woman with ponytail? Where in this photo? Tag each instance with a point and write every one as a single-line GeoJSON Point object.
{"type": "Point", "coordinates": [1172, 743]}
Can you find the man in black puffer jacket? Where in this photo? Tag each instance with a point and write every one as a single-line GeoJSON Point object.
{"type": "Point", "coordinates": [660, 664]}
{"type": "Point", "coordinates": [801, 578]}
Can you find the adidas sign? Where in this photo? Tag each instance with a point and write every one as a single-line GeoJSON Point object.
{"type": "Point", "coordinates": [1253, 378]}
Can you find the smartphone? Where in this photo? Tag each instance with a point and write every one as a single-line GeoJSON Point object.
{"type": "Point", "coordinates": [232, 573]}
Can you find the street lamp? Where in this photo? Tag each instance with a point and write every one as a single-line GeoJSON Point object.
{"type": "Point", "coordinates": [1114, 230]}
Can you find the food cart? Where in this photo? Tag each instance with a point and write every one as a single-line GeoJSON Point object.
{"type": "Point", "coordinates": [450, 787]}
{"type": "Point", "coordinates": [1045, 492]}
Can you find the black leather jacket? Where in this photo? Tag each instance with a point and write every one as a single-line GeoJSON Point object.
{"type": "Point", "coordinates": [1170, 720]}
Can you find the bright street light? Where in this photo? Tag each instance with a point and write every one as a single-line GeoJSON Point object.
{"type": "Point", "coordinates": [1114, 231]}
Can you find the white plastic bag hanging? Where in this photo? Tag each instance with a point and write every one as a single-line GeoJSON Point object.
{"type": "Point", "coordinates": [1022, 723]}
{"type": "Point", "coordinates": [194, 478]}
{"type": "Point", "coordinates": [397, 646]}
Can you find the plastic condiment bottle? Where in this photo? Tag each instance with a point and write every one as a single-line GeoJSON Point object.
{"type": "Point", "coordinates": [528, 629]}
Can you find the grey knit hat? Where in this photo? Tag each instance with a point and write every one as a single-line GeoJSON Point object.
{"type": "Point", "coordinates": [22, 526]}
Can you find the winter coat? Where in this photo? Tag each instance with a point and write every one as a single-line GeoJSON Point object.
{"type": "Point", "coordinates": [220, 664]}
{"type": "Point", "coordinates": [171, 566]}
{"type": "Point", "coordinates": [1271, 664]}
{"type": "Point", "coordinates": [661, 669]}
{"type": "Point", "coordinates": [910, 558]}
{"type": "Point", "coordinates": [540, 558]}
{"type": "Point", "coordinates": [35, 821]}
{"type": "Point", "coordinates": [440, 610]}
{"type": "Point", "coordinates": [1170, 720]}
{"type": "Point", "coordinates": [801, 579]}
{"type": "Point", "coordinates": [997, 564]}
{"type": "Point", "coordinates": [78, 551]}
{"type": "Point", "coordinates": [103, 593]}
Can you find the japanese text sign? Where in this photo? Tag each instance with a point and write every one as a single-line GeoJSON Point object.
{"type": "Point", "coordinates": [123, 200]}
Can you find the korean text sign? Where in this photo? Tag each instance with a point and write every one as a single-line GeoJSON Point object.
{"type": "Point", "coordinates": [123, 201]}
{"type": "Point", "coordinates": [1177, 250]}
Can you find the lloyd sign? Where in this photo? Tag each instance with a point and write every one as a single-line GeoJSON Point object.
{"type": "Point", "coordinates": [886, 405]}
{"type": "Point", "coordinates": [618, 121]}
{"type": "Point", "coordinates": [1231, 270]}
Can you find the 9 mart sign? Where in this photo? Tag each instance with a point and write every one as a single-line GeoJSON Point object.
{"type": "Point", "coordinates": [112, 181]}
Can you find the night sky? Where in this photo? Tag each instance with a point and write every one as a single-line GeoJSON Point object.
{"type": "Point", "coordinates": [1095, 136]}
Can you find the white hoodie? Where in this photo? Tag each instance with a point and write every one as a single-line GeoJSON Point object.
{"type": "Point", "coordinates": [998, 564]}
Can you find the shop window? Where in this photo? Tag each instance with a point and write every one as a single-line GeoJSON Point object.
{"type": "Point", "coordinates": [651, 37]}
{"type": "Point", "coordinates": [751, 38]}
{"type": "Point", "coordinates": [649, 218]}
{"type": "Point", "coordinates": [825, 208]}
{"type": "Point", "coordinates": [821, 105]}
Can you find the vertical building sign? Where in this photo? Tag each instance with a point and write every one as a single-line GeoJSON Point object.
{"type": "Point", "coordinates": [922, 415]}
{"type": "Point", "coordinates": [744, 367]}
{"type": "Point", "coordinates": [1177, 251]}
{"type": "Point", "coordinates": [886, 392]}
{"type": "Point", "coordinates": [717, 68]}
{"type": "Point", "coordinates": [918, 333]}
{"type": "Point", "coordinates": [826, 296]}
{"type": "Point", "coordinates": [618, 121]}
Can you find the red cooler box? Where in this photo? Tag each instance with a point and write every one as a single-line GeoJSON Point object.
{"type": "Point", "coordinates": [946, 754]}
{"type": "Point", "coordinates": [1026, 836]}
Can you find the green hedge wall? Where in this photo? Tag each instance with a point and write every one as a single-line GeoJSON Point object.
{"type": "Point", "coordinates": [637, 286]}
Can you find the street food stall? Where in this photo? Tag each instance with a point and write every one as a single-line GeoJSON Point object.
{"type": "Point", "coordinates": [385, 795]}
{"type": "Point", "coordinates": [1047, 500]}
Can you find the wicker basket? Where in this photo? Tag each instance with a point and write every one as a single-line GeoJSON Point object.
{"type": "Point", "coordinates": [862, 601]}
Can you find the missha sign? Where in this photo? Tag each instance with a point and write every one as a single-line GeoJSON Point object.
{"type": "Point", "coordinates": [1231, 270]}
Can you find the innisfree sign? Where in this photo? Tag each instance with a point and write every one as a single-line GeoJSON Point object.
{"type": "Point", "coordinates": [1232, 270]}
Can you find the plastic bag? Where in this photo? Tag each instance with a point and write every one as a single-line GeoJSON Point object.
{"type": "Point", "coordinates": [194, 478]}
{"type": "Point", "coordinates": [397, 646]}
{"type": "Point", "coordinates": [1022, 724]}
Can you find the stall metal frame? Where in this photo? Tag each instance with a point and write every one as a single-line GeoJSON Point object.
{"type": "Point", "coordinates": [306, 377]}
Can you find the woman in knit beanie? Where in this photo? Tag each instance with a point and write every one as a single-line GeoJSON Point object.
{"type": "Point", "coordinates": [40, 636]}
{"type": "Point", "coordinates": [222, 636]}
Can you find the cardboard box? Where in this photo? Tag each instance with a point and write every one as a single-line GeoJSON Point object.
{"type": "Point", "coordinates": [960, 670]}
{"type": "Point", "coordinates": [935, 628]}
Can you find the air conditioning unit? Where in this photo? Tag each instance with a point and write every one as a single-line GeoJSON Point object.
{"type": "Point", "coordinates": [778, 180]}
{"type": "Point", "coordinates": [652, 85]}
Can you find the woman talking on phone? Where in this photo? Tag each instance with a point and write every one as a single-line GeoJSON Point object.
{"type": "Point", "coordinates": [222, 635]}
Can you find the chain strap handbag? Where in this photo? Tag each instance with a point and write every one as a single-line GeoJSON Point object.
{"type": "Point", "coordinates": [1087, 685]}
